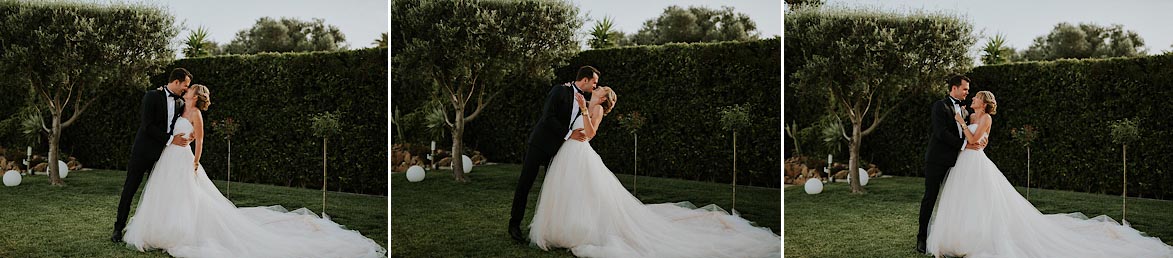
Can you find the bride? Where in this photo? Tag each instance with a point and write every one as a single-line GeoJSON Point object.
{"type": "Point", "coordinates": [585, 208]}
{"type": "Point", "coordinates": [981, 215]}
{"type": "Point", "coordinates": [183, 213]}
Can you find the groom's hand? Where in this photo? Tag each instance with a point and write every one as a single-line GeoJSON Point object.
{"type": "Point", "coordinates": [578, 135]}
{"type": "Point", "coordinates": [180, 140]}
{"type": "Point", "coordinates": [975, 146]}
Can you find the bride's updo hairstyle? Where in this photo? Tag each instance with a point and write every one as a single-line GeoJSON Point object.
{"type": "Point", "coordinates": [991, 103]}
{"type": "Point", "coordinates": [611, 99]}
{"type": "Point", "coordinates": [201, 98]}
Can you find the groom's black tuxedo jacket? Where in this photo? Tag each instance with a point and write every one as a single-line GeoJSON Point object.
{"type": "Point", "coordinates": [153, 130]}
{"type": "Point", "coordinates": [945, 142]}
{"type": "Point", "coordinates": [552, 126]}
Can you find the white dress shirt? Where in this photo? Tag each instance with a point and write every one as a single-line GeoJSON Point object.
{"type": "Point", "coordinates": [573, 111]}
{"type": "Point", "coordinates": [957, 110]}
{"type": "Point", "coordinates": [170, 112]}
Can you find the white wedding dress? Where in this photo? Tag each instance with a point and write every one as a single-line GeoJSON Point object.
{"type": "Point", "coordinates": [584, 207]}
{"type": "Point", "coordinates": [979, 214]}
{"type": "Point", "coordinates": [183, 213]}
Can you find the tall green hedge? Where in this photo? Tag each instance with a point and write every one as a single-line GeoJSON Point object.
{"type": "Point", "coordinates": [272, 97]}
{"type": "Point", "coordinates": [679, 89]}
{"type": "Point", "coordinates": [1071, 103]}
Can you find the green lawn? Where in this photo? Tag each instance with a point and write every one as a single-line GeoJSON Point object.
{"type": "Point", "coordinates": [442, 218]}
{"type": "Point", "coordinates": [883, 222]}
{"type": "Point", "coordinates": [39, 220]}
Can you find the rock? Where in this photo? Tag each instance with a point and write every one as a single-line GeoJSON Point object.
{"type": "Point", "coordinates": [842, 174]}
{"type": "Point", "coordinates": [74, 165]}
{"type": "Point", "coordinates": [800, 181]}
{"type": "Point", "coordinates": [417, 161]}
{"type": "Point", "coordinates": [41, 167]}
{"type": "Point", "coordinates": [446, 161]}
{"type": "Point", "coordinates": [477, 158]}
{"type": "Point", "coordinates": [873, 171]}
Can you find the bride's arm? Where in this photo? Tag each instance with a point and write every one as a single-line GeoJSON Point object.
{"type": "Point", "coordinates": [596, 116]}
{"type": "Point", "coordinates": [974, 137]}
{"type": "Point", "coordinates": [198, 135]}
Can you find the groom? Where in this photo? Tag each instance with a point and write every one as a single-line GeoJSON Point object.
{"type": "Point", "coordinates": [160, 108]}
{"type": "Point", "coordinates": [945, 143]}
{"type": "Point", "coordinates": [553, 128]}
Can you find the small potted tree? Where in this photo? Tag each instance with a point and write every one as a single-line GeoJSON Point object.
{"type": "Point", "coordinates": [226, 128]}
{"type": "Point", "coordinates": [733, 118]}
{"type": "Point", "coordinates": [1124, 132]}
{"type": "Point", "coordinates": [1025, 136]}
{"type": "Point", "coordinates": [325, 124]}
{"type": "Point", "coordinates": [632, 122]}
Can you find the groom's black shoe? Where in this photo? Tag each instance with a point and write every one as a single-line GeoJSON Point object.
{"type": "Point", "coordinates": [920, 248]}
{"type": "Point", "coordinates": [117, 237]}
{"type": "Point", "coordinates": [515, 233]}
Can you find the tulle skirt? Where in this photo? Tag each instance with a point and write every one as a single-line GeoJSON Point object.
{"type": "Point", "coordinates": [584, 207]}
{"type": "Point", "coordinates": [979, 214]}
{"type": "Point", "coordinates": [183, 213]}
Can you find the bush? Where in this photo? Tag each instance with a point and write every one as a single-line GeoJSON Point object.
{"type": "Point", "coordinates": [271, 96]}
{"type": "Point", "coordinates": [678, 88]}
{"type": "Point", "coordinates": [1070, 102]}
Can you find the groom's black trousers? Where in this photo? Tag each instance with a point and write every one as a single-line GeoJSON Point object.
{"type": "Point", "coordinates": [134, 177]}
{"type": "Point", "coordinates": [934, 176]}
{"type": "Point", "coordinates": [534, 158]}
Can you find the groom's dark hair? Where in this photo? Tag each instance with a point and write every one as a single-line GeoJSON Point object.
{"type": "Point", "coordinates": [955, 80]}
{"type": "Point", "coordinates": [178, 75]}
{"type": "Point", "coordinates": [586, 71]}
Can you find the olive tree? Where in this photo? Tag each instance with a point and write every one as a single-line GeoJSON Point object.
{"type": "Point", "coordinates": [71, 54]}
{"type": "Point", "coordinates": [471, 51]}
{"type": "Point", "coordinates": [868, 61]}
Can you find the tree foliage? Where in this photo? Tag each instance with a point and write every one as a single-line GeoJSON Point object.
{"type": "Point", "coordinates": [71, 54]}
{"type": "Point", "coordinates": [695, 24]}
{"type": "Point", "coordinates": [1085, 41]}
{"type": "Point", "coordinates": [867, 62]}
{"type": "Point", "coordinates": [287, 35]}
{"type": "Point", "coordinates": [603, 35]}
{"type": "Point", "coordinates": [996, 51]}
{"type": "Point", "coordinates": [471, 51]}
{"type": "Point", "coordinates": [198, 45]}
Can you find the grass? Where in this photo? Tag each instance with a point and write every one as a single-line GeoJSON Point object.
{"type": "Point", "coordinates": [439, 217]}
{"type": "Point", "coordinates": [883, 222]}
{"type": "Point", "coordinates": [38, 220]}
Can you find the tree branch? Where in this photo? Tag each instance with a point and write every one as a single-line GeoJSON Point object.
{"type": "Point", "coordinates": [481, 106]}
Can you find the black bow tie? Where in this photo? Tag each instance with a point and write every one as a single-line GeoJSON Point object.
{"type": "Point", "coordinates": [955, 101]}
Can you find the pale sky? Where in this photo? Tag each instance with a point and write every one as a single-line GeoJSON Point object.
{"type": "Point", "coordinates": [361, 21]}
{"type": "Point", "coordinates": [1022, 21]}
{"type": "Point", "coordinates": [629, 16]}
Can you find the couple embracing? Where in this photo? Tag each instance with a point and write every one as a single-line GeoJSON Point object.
{"type": "Point", "coordinates": [184, 214]}
{"type": "Point", "coordinates": [584, 207]}
{"type": "Point", "coordinates": [978, 213]}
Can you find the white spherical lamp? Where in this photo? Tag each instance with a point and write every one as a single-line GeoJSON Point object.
{"type": "Point", "coordinates": [863, 177]}
{"type": "Point", "coordinates": [415, 174]}
{"type": "Point", "coordinates": [64, 168]}
{"type": "Point", "coordinates": [813, 186]}
{"type": "Point", "coordinates": [12, 178]}
{"type": "Point", "coordinates": [467, 164]}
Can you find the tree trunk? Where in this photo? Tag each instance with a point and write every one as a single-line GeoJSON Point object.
{"type": "Point", "coordinates": [853, 166]}
{"type": "Point", "coordinates": [324, 175]}
{"type": "Point", "coordinates": [458, 147]}
{"type": "Point", "coordinates": [229, 184]}
{"type": "Point", "coordinates": [54, 152]}
{"type": "Point", "coordinates": [734, 206]}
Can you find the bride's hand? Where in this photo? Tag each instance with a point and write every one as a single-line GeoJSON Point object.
{"type": "Point", "coordinates": [197, 167]}
{"type": "Point", "coordinates": [580, 99]}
